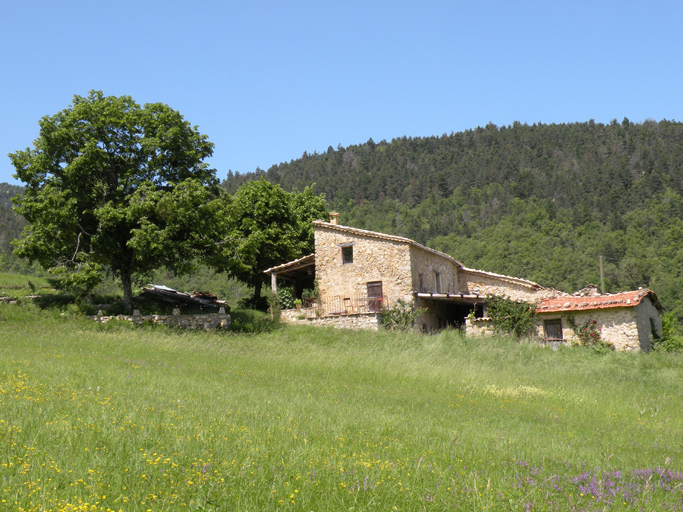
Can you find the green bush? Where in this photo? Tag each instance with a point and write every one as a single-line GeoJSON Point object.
{"type": "Point", "coordinates": [511, 317]}
{"type": "Point", "coordinates": [400, 316]}
{"type": "Point", "coordinates": [670, 340]}
{"type": "Point", "coordinates": [286, 298]}
{"type": "Point", "coordinates": [251, 321]}
{"type": "Point", "coordinates": [259, 304]}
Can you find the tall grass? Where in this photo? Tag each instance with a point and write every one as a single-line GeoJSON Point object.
{"type": "Point", "coordinates": [107, 417]}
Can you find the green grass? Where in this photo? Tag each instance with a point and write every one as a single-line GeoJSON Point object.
{"type": "Point", "coordinates": [20, 285]}
{"type": "Point", "coordinates": [108, 295]}
{"type": "Point", "coordinates": [108, 417]}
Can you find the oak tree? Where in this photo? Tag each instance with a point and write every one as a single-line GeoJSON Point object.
{"type": "Point", "coordinates": [114, 185]}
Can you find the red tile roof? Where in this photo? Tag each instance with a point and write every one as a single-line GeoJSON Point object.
{"type": "Point", "coordinates": [616, 300]}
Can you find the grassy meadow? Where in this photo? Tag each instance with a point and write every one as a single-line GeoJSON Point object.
{"type": "Point", "coordinates": [19, 285]}
{"type": "Point", "coordinates": [108, 417]}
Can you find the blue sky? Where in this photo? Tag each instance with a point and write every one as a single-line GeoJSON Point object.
{"type": "Point", "coordinates": [267, 81]}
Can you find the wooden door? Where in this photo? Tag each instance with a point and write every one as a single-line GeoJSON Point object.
{"type": "Point", "coordinates": [375, 296]}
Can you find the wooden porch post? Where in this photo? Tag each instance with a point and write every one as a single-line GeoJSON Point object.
{"type": "Point", "coordinates": [273, 282]}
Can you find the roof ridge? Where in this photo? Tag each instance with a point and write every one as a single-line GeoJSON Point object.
{"type": "Point", "coordinates": [511, 278]}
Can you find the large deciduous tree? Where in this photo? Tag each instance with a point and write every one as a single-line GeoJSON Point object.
{"type": "Point", "coordinates": [114, 185]}
{"type": "Point", "coordinates": [264, 226]}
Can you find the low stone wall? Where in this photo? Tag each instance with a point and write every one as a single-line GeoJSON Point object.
{"type": "Point", "coordinates": [353, 321]}
{"type": "Point", "coordinates": [359, 321]}
{"type": "Point", "coordinates": [16, 300]}
{"type": "Point", "coordinates": [478, 327]}
{"type": "Point", "coordinates": [293, 315]}
{"type": "Point", "coordinates": [206, 321]}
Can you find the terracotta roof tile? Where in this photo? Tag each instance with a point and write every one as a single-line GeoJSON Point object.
{"type": "Point", "coordinates": [616, 300]}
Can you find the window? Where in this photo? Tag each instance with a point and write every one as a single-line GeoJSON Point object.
{"type": "Point", "coordinates": [347, 254]}
{"type": "Point", "coordinates": [553, 329]}
{"type": "Point", "coordinates": [437, 282]}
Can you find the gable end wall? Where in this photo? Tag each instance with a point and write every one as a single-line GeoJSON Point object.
{"type": "Point", "coordinates": [479, 284]}
{"type": "Point", "coordinates": [428, 264]}
{"type": "Point", "coordinates": [645, 311]}
{"type": "Point", "coordinates": [374, 259]}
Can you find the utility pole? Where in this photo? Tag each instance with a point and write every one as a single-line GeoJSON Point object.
{"type": "Point", "coordinates": [602, 278]}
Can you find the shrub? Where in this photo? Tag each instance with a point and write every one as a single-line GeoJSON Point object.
{"type": "Point", "coordinates": [286, 298]}
{"type": "Point", "coordinates": [669, 340]}
{"type": "Point", "coordinates": [251, 321]}
{"type": "Point", "coordinates": [589, 335]}
{"type": "Point", "coordinates": [259, 304]}
{"type": "Point", "coordinates": [400, 316]}
{"type": "Point", "coordinates": [511, 317]}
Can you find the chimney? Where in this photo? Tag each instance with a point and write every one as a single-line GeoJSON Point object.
{"type": "Point", "coordinates": [334, 218]}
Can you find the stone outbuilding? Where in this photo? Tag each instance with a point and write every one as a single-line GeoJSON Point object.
{"type": "Point", "coordinates": [627, 320]}
{"type": "Point", "coordinates": [359, 271]}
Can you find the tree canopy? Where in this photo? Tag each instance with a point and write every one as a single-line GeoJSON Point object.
{"type": "Point", "coordinates": [113, 185]}
{"type": "Point", "coordinates": [265, 226]}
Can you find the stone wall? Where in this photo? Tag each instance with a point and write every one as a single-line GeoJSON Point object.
{"type": "Point", "coordinates": [484, 283]}
{"type": "Point", "coordinates": [427, 264]}
{"type": "Point", "coordinates": [374, 259]}
{"type": "Point", "coordinates": [201, 321]}
{"type": "Point", "coordinates": [478, 327]}
{"type": "Point", "coordinates": [618, 326]}
{"type": "Point", "coordinates": [307, 316]}
{"type": "Point", "coordinates": [293, 315]}
{"type": "Point", "coordinates": [361, 321]}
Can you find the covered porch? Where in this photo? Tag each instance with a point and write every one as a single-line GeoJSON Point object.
{"type": "Point", "coordinates": [299, 273]}
{"type": "Point", "coordinates": [448, 309]}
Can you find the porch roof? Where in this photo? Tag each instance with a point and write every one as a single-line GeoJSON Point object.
{"type": "Point", "coordinates": [296, 269]}
{"type": "Point", "coordinates": [468, 298]}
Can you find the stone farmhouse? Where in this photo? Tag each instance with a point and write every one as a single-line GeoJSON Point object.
{"type": "Point", "coordinates": [358, 272]}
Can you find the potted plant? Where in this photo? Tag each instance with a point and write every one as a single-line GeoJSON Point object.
{"type": "Point", "coordinates": [297, 303]}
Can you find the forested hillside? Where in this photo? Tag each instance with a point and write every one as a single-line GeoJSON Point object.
{"type": "Point", "coordinates": [536, 201]}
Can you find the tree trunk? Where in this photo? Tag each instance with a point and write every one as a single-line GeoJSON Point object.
{"type": "Point", "coordinates": [127, 291]}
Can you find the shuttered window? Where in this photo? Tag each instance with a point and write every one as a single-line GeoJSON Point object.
{"type": "Point", "coordinates": [553, 329]}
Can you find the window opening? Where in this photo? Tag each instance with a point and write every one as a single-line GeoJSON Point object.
{"type": "Point", "coordinates": [347, 255]}
{"type": "Point", "coordinates": [553, 329]}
